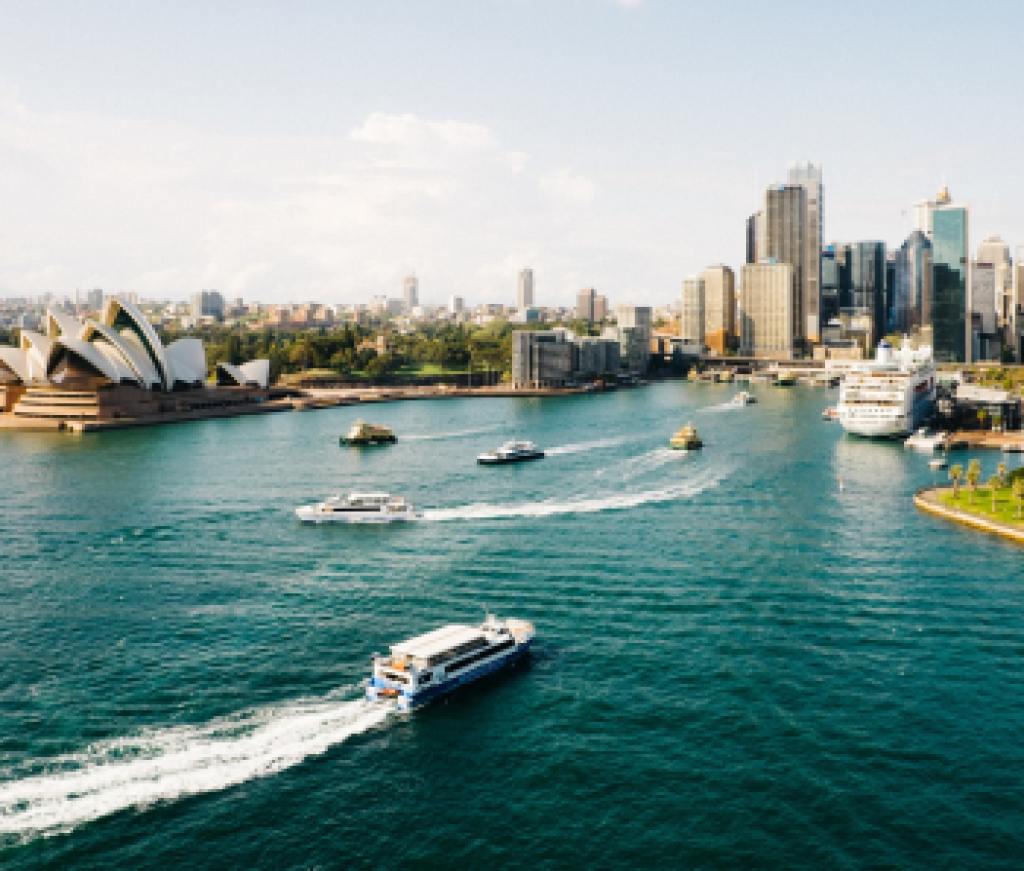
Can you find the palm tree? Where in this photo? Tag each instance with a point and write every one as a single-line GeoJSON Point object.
{"type": "Point", "coordinates": [982, 417]}
{"type": "Point", "coordinates": [973, 476]}
{"type": "Point", "coordinates": [1018, 493]}
{"type": "Point", "coordinates": [956, 472]}
{"type": "Point", "coordinates": [1001, 472]}
{"type": "Point", "coordinates": [994, 483]}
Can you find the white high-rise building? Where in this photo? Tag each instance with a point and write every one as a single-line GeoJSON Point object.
{"type": "Point", "coordinates": [456, 305]}
{"type": "Point", "coordinates": [924, 211]}
{"type": "Point", "coordinates": [995, 251]}
{"type": "Point", "coordinates": [411, 292]}
{"type": "Point", "coordinates": [691, 324]}
{"type": "Point", "coordinates": [808, 176]}
{"type": "Point", "coordinates": [524, 292]}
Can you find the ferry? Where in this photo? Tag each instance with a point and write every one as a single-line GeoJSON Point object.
{"type": "Point", "coordinates": [511, 452]}
{"type": "Point", "coordinates": [889, 396]}
{"type": "Point", "coordinates": [743, 398]}
{"type": "Point", "coordinates": [685, 439]}
{"type": "Point", "coordinates": [358, 508]}
{"type": "Point", "coordinates": [363, 433]}
{"type": "Point", "coordinates": [427, 666]}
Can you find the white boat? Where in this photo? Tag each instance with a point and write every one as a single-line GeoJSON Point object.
{"type": "Point", "coordinates": [743, 398]}
{"type": "Point", "coordinates": [511, 452]}
{"type": "Point", "coordinates": [925, 440]}
{"type": "Point", "coordinates": [888, 396]}
{"type": "Point", "coordinates": [358, 508]}
{"type": "Point", "coordinates": [830, 413]}
{"type": "Point", "coordinates": [1013, 448]}
{"type": "Point", "coordinates": [937, 463]}
{"type": "Point", "coordinates": [422, 668]}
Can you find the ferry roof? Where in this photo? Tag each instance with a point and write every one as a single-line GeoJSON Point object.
{"type": "Point", "coordinates": [437, 641]}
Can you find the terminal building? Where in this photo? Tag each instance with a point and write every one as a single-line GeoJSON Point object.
{"type": "Point", "coordinates": [114, 368]}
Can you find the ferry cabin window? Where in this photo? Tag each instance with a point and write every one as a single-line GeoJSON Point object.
{"type": "Point", "coordinates": [476, 657]}
{"type": "Point", "coordinates": [392, 675]}
{"type": "Point", "coordinates": [451, 653]}
{"type": "Point", "coordinates": [425, 677]}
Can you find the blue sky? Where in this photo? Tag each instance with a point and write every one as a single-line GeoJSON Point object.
{"type": "Point", "coordinates": [292, 151]}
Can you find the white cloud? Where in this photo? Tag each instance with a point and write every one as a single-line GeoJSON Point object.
{"type": "Point", "coordinates": [629, 4]}
{"type": "Point", "coordinates": [380, 128]}
{"type": "Point", "coordinates": [568, 187]}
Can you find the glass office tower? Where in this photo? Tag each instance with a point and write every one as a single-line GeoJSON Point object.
{"type": "Point", "coordinates": [949, 284]}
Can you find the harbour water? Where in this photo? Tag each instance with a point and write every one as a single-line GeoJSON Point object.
{"type": "Point", "coordinates": [738, 662]}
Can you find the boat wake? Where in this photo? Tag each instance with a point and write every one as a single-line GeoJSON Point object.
{"type": "Point", "coordinates": [167, 764]}
{"type": "Point", "coordinates": [728, 405]}
{"type": "Point", "coordinates": [634, 467]}
{"type": "Point", "coordinates": [438, 436]}
{"type": "Point", "coordinates": [580, 447]}
{"type": "Point", "coordinates": [548, 508]}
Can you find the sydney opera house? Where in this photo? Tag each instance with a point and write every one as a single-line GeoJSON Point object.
{"type": "Point", "coordinates": [114, 369]}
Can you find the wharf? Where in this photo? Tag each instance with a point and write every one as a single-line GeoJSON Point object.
{"type": "Point", "coordinates": [982, 439]}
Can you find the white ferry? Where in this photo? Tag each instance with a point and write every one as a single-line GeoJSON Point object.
{"type": "Point", "coordinates": [422, 668]}
{"type": "Point", "coordinates": [358, 508]}
{"type": "Point", "coordinates": [888, 396]}
{"type": "Point", "coordinates": [511, 452]}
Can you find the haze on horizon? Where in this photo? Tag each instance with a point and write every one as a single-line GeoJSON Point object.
{"type": "Point", "coordinates": [321, 151]}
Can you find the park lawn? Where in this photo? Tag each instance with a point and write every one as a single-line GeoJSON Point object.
{"type": "Point", "coordinates": [432, 369]}
{"type": "Point", "coordinates": [1006, 508]}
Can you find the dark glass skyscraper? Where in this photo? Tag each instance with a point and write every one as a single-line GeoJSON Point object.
{"type": "Point", "coordinates": [867, 282]}
{"type": "Point", "coordinates": [912, 294]}
{"type": "Point", "coordinates": [949, 284]}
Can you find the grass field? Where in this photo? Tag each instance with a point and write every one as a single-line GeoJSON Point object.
{"type": "Point", "coordinates": [981, 504]}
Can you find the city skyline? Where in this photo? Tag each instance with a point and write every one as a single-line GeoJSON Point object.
{"type": "Point", "coordinates": [291, 178]}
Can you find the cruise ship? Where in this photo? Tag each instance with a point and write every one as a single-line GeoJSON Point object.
{"type": "Point", "coordinates": [889, 396]}
{"type": "Point", "coordinates": [422, 668]}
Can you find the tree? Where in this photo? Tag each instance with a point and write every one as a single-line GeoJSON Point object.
{"type": "Point", "coordinates": [1001, 472]}
{"type": "Point", "coordinates": [1018, 494]}
{"type": "Point", "coordinates": [973, 476]}
{"type": "Point", "coordinates": [956, 473]}
{"type": "Point", "coordinates": [994, 484]}
{"type": "Point", "coordinates": [982, 417]}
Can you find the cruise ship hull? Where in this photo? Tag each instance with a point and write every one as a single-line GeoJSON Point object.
{"type": "Point", "coordinates": [419, 698]}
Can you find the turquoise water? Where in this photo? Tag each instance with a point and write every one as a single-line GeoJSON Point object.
{"type": "Point", "coordinates": [737, 663]}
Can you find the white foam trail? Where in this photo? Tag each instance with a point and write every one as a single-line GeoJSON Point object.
{"type": "Point", "coordinates": [436, 436]}
{"type": "Point", "coordinates": [166, 764]}
{"type": "Point", "coordinates": [648, 462]}
{"type": "Point", "coordinates": [722, 406]}
{"type": "Point", "coordinates": [580, 447]}
{"type": "Point", "coordinates": [547, 508]}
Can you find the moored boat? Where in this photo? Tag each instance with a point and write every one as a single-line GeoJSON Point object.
{"type": "Point", "coordinates": [937, 463]}
{"type": "Point", "coordinates": [685, 439]}
{"type": "Point", "coordinates": [925, 440]}
{"type": "Point", "coordinates": [358, 508]}
{"type": "Point", "coordinates": [511, 452]}
{"type": "Point", "coordinates": [435, 663]}
{"type": "Point", "coordinates": [363, 433]}
{"type": "Point", "coordinates": [743, 398]}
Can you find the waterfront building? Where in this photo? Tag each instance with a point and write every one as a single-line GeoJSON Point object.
{"type": "Point", "coordinates": [912, 290]}
{"type": "Point", "coordinates": [585, 305]}
{"type": "Point", "coordinates": [541, 358]}
{"type": "Point", "coordinates": [808, 176]}
{"type": "Point", "coordinates": [524, 290]}
{"type": "Point", "coordinates": [719, 307]}
{"type": "Point", "coordinates": [785, 235]}
{"type": "Point", "coordinates": [950, 287]}
{"type": "Point", "coordinates": [410, 292]}
{"type": "Point", "coordinates": [596, 357]}
{"type": "Point", "coordinates": [635, 329]}
{"type": "Point", "coordinates": [767, 303]}
{"type": "Point", "coordinates": [207, 304]}
{"type": "Point", "coordinates": [691, 325]}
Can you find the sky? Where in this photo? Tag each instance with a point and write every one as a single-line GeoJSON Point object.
{"type": "Point", "coordinates": [294, 151]}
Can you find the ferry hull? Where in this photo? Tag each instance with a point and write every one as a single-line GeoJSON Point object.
{"type": "Point", "coordinates": [409, 702]}
{"type": "Point", "coordinates": [309, 514]}
{"type": "Point", "coordinates": [504, 461]}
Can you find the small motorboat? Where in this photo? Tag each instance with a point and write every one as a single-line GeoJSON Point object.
{"type": "Point", "coordinates": [830, 413]}
{"type": "Point", "coordinates": [937, 463]}
{"type": "Point", "coordinates": [511, 452]}
{"type": "Point", "coordinates": [743, 398]}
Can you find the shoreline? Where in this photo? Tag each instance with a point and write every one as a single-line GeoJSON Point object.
{"type": "Point", "coordinates": [928, 501]}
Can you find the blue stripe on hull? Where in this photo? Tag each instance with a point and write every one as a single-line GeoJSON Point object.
{"type": "Point", "coordinates": [428, 694]}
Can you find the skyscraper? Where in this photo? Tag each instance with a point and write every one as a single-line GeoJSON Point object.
{"type": "Point", "coordinates": [995, 251]}
{"type": "Point", "coordinates": [808, 176]}
{"type": "Point", "coordinates": [634, 326]}
{"type": "Point", "coordinates": [691, 325]}
{"type": "Point", "coordinates": [867, 283]}
{"type": "Point", "coordinates": [924, 211]}
{"type": "Point", "coordinates": [912, 293]}
{"type": "Point", "coordinates": [950, 297]}
{"type": "Point", "coordinates": [986, 343]}
{"type": "Point", "coordinates": [411, 292]}
{"type": "Point", "coordinates": [785, 242]}
{"type": "Point", "coordinates": [767, 303]}
{"type": "Point", "coordinates": [719, 307]}
{"type": "Point", "coordinates": [524, 293]}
